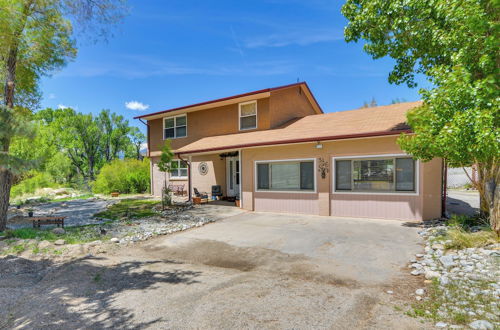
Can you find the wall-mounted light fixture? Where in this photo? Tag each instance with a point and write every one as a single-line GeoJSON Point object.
{"type": "Point", "coordinates": [319, 145]}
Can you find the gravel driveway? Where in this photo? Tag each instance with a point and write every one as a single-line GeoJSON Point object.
{"type": "Point", "coordinates": [250, 270]}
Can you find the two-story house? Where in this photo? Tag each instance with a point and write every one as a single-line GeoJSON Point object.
{"type": "Point", "coordinates": [277, 151]}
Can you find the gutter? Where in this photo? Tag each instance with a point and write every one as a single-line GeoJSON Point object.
{"type": "Point", "coordinates": [291, 141]}
{"type": "Point", "coordinates": [151, 165]}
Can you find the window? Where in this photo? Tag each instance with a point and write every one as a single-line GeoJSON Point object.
{"type": "Point", "coordinates": [248, 115]}
{"type": "Point", "coordinates": [178, 169]}
{"type": "Point", "coordinates": [375, 175]}
{"type": "Point", "coordinates": [175, 127]}
{"type": "Point", "coordinates": [286, 176]}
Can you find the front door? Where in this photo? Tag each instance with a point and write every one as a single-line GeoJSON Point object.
{"type": "Point", "coordinates": [233, 176]}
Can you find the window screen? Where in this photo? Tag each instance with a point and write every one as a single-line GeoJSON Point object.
{"type": "Point", "coordinates": [375, 175]}
{"type": "Point", "coordinates": [286, 176]}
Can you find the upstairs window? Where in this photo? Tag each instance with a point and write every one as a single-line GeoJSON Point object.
{"type": "Point", "coordinates": [175, 127]}
{"type": "Point", "coordinates": [248, 115]}
{"type": "Point", "coordinates": [375, 175]}
{"type": "Point", "coordinates": [178, 169]}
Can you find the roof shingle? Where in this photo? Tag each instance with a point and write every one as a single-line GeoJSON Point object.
{"type": "Point", "coordinates": [382, 120]}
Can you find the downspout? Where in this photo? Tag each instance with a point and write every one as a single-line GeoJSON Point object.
{"type": "Point", "coordinates": [189, 176]}
{"type": "Point", "coordinates": [444, 188]}
{"type": "Point", "coordinates": [150, 163]}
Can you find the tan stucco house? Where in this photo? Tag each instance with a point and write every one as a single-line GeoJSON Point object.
{"type": "Point", "coordinates": [275, 150]}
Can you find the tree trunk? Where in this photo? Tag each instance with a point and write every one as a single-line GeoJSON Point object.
{"type": "Point", "coordinates": [488, 186]}
{"type": "Point", "coordinates": [5, 184]}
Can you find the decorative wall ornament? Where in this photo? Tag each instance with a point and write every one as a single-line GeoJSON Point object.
{"type": "Point", "coordinates": [323, 167]}
{"type": "Point", "coordinates": [203, 168]}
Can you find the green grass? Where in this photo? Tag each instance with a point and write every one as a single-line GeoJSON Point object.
{"type": "Point", "coordinates": [73, 235]}
{"type": "Point", "coordinates": [461, 239]}
{"type": "Point", "coordinates": [130, 209]}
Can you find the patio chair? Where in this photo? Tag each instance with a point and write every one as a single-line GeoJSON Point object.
{"type": "Point", "coordinates": [199, 198]}
{"type": "Point", "coordinates": [179, 190]}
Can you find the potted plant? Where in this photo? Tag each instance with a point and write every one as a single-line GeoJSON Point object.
{"type": "Point", "coordinates": [237, 201]}
{"type": "Point", "coordinates": [30, 213]}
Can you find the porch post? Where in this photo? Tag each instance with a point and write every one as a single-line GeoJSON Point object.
{"type": "Point", "coordinates": [240, 176]}
{"type": "Point", "coordinates": [189, 180]}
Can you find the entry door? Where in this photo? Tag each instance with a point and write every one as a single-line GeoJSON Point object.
{"type": "Point", "coordinates": [233, 176]}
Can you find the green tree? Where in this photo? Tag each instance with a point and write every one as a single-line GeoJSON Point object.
{"type": "Point", "coordinates": [12, 125]}
{"type": "Point", "coordinates": [36, 38]}
{"type": "Point", "coordinates": [455, 45]}
{"type": "Point", "coordinates": [137, 138]}
{"type": "Point", "coordinates": [115, 130]}
{"type": "Point", "coordinates": [165, 166]}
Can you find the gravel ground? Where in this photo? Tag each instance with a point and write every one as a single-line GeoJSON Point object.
{"type": "Point", "coordinates": [78, 212]}
{"type": "Point", "coordinates": [468, 280]}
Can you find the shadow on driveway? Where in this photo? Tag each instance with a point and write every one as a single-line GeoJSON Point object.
{"type": "Point", "coordinates": [78, 294]}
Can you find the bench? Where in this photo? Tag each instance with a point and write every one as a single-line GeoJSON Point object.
{"type": "Point", "coordinates": [38, 221]}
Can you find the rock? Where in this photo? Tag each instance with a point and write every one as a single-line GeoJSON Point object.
{"type": "Point", "coordinates": [415, 272]}
{"type": "Point", "coordinates": [60, 242]}
{"type": "Point", "coordinates": [437, 246]}
{"type": "Point", "coordinates": [420, 292]}
{"type": "Point", "coordinates": [447, 261]}
{"type": "Point", "coordinates": [418, 298]}
{"type": "Point", "coordinates": [429, 275]}
{"type": "Point", "coordinates": [390, 291]}
{"type": "Point", "coordinates": [441, 325]}
{"type": "Point", "coordinates": [58, 231]}
{"type": "Point", "coordinates": [443, 280]}
{"type": "Point", "coordinates": [481, 325]}
{"type": "Point", "coordinates": [44, 245]}
{"type": "Point", "coordinates": [114, 240]}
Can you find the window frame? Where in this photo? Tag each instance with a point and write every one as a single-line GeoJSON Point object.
{"type": "Point", "coordinates": [256, 115]}
{"type": "Point", "coordinates": [314, 191]}
{"type": "Point", "coordinates": [172, 177]}
{"type": "Point", "coordinates": [416, 192]}
{"type": "Point", "coordinates": [175, 126]}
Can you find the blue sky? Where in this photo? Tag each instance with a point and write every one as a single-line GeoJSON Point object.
{"type": "Point", "coordinates": [172, 53]}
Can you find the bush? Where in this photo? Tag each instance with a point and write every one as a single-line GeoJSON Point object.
{"type": "Point", "coordinates": [30, 185]}
{"type": "Point", "coordinates": [123, 176]}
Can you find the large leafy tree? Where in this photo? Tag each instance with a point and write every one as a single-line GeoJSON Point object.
{"type": "Point", "coordinates": [455, 45]}
{"type": "Point", "coordinates": [36, 38]}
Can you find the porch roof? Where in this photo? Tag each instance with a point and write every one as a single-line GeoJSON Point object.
{"type": "Point", "coordinates": [366, 122]}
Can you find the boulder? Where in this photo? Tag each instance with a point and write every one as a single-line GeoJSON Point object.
{"type": "Point", "coordinates": [114, 240]}
{"type": "Point", "coordinates": [429, 275]}
{"type": "Point", "coordinates": [481, 325]}
{"type": "Point", "coordinates": [60, 242]}
{"type": "Point", "coordinates": [59, 231]}
{"type": "Point", "coordinates": [44, 245]}
{"type": "Point", "coordinates": [447, 261]}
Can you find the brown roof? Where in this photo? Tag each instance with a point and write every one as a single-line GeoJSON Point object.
{"type": "Point", "coordinates": [377, 121]}
{"type": "Point", "coordinates": [302, 84]}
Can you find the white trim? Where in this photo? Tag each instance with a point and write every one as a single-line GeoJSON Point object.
{"type": "Point", "coordinates": [391, 193]}
{"type": "Point", "coordinates": [286, 191]}
{"type": "Point", "coordinates": [241, 183]}
{"type": "Point", "coordinates": [256, 116]}
{"type": "Point", "coordinates": [177, 178]}
{"type": "Point", "coordinates": [175, 123]}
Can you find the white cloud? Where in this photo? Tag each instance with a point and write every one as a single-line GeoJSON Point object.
{"type": "Point", "coordinates": [63, 106]}
{"type": "Point", "coordinates": [135, 105]}
{"type": "Point", "coordinates": [52, 96]}
{"type": "Point", "coordinates": [299, 37]}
